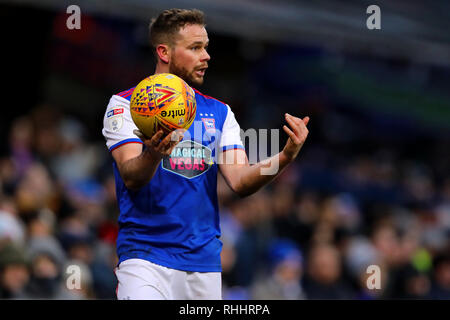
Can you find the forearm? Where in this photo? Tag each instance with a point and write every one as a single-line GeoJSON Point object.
{"type": "Point", "coordinates": [252, 178]}
{"type": "Point", "coordinates": [245, 179]}
{"type": "Point", "coordinates": [138, 171]}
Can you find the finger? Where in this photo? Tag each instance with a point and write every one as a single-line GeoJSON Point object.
{"type": "Point", "coordinates": [295, 119]}
{"type": "Point", "coordinates": [293, 126]}
{"type": "Point", "coordinates": [306, 120]}
{"type": "Point", "coordinates": [169, 151]}
{"type": "Point", "coordinates": [140, 135]}
{"type": "Point", "coordinates": [291, 134]}
{"type": "Point", "coordinates": [158, 134]}
{"type": "Point", "coordinates": [157, 137]}
{"type": "Point", "coordinates": [169, 141]}
{"type": "Point", "coordinates": [300, 129]}
{"type": "Point", "coordinates": [177, 134]}
{"type": "Point", "coordinates": [175, 138]}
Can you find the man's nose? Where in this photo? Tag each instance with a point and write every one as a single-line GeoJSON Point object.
{"type": "Point", "coordinates": [205, 56]}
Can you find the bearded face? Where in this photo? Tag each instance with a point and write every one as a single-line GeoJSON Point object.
{"type": "Point", "coordinates": [191, 76]}
{"type": "Point", "coordinates": [189, 56]}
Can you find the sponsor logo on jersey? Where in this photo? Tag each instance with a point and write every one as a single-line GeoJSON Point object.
{"type": "Point", "coordinates": [114, 112]}
{"type": "Point", "coordinates": [188, 159]}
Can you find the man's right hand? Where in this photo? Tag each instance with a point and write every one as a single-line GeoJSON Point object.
{"type": "Point", "coordinates": [157, 147]}
{"type": "Point", "coordinates": [137, 166]}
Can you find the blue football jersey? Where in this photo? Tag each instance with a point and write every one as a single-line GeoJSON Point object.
{"type": "Point", "coordinates": [173, 221]}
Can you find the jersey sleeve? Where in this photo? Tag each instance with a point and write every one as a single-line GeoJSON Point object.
{"type": "Point", "coordinates": [118, 125]}
{"type": "Point", "coordinates": [231, 138]}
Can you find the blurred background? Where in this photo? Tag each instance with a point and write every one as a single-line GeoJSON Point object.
{"type": "Point", "coordinates": [370, 187]}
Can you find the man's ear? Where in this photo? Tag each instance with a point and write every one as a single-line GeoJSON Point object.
{"type": "Point", "coordinates": [163, 52]}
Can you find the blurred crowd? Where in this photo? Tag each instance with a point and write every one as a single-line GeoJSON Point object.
{"type": "Point", "coordinates": [317, 231]}
{"type": "Point", "coordinates": [311, 234]}
{"type": "Point", "coordinates": [57, 209]}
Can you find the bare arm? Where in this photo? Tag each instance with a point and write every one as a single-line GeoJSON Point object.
{"type": "Point", "coordinates": [246, 179]}
{"type": "Point", "coordinates": [137, 166]}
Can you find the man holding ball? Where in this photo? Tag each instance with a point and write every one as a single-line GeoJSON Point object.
{"type": "Point", "coordinates": [168, 243]}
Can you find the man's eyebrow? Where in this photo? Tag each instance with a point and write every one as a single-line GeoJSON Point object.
{"type": "Point", "coordinates": [199, 42]}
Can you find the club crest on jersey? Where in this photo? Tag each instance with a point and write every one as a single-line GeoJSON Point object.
{"type": "Point", "coordinates": [115, 123]}
{"type": "Point", "coordinates": [209, 123]}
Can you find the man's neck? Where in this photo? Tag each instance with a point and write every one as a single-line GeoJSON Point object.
{"type": "Point", "coordinates": [161, 68]}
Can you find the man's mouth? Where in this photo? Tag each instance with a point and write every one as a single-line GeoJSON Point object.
{"type": "Point", "coordinates": [201, 72]}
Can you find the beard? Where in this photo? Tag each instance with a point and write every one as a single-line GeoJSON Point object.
{"type": "Point", "coordinates": [190, 77]}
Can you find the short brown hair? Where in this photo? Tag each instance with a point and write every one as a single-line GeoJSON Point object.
{"type": "Point", "coordinates": [164, 28]}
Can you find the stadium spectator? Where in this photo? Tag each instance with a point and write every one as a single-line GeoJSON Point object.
{"type": "Point", "coordinates": [324, 274]}
{"type": "Point", "coordinates": [441, 277]}
{"type": "Point", "coordinates": [283, 281]}
{"type": "Point", "coordinates": [14, 273]}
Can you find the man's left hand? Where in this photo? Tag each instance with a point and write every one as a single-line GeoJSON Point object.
{"type": "Point", "coordinates": [297, 133]}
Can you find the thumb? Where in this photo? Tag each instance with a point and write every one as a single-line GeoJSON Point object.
{"type": "Point", "coordinates": [139, 134]}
